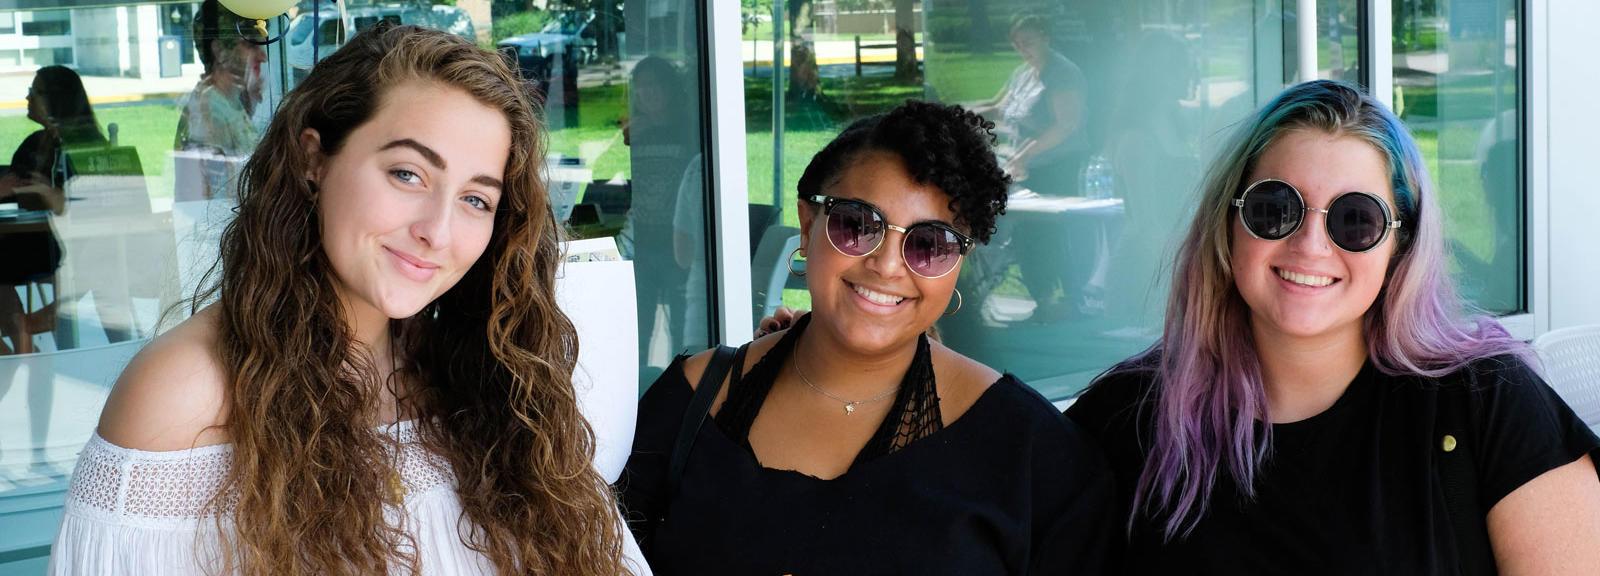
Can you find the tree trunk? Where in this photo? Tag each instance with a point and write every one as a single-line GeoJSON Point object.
{"type": "Point", "coordinates": [905, 43]}
{"type": "Point", "coordinates": [804, 78]}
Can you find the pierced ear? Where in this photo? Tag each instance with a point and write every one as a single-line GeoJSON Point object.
{"type": "Point", "coordinates": [808, 213]}
{"type": "Point", "coordinates": [311, 141]}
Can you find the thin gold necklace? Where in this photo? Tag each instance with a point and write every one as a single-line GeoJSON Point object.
{"type": "Point", "coordinates": [849, 405]}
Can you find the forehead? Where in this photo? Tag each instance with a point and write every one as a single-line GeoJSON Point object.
{"type": "Point", "coordinates": [881, 178]}
{"type": "Point", "coordinates": [461, 129]}
{"type": "Point", "coordinates": [1323, 166]}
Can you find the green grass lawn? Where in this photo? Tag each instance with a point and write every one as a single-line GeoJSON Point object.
{"type": "Point", "coordinates": [148, 127]}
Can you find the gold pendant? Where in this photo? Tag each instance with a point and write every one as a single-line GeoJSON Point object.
{"type": "Point", "coordinates": [849, 408]}
{"type": "Point", "coordinates": [396, 487]}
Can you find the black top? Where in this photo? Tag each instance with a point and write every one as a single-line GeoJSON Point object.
{"type": "Point", "coordinates": [913, 412]}
{"type": "Point", "coordinates": [1353, 490]}
{"type": "Point", "coordinates": [1010, 487]}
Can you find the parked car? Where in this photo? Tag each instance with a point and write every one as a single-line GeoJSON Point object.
{"type": "Point", "coordinates": [360, 15]}
{"type": "Point", "coordinates": [569, 40]}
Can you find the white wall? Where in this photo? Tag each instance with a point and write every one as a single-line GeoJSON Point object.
{"type": "Point", "coordinates": [1570, 147]}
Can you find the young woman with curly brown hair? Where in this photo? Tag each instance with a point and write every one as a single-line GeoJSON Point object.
{"type": "Point", "coordinates": [383, 384]}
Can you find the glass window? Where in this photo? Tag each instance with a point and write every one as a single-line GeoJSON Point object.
{"type": "Point", "coordinates": [623, 105]}
{"type": "Point", "coordinates": [1456, 76]}
{"type": "Point", "coordinates": [1076, 277]}
{"type": "Point", "coordinates": [94, 223]}
{"type": "Point", "coordinates": [48, 23]}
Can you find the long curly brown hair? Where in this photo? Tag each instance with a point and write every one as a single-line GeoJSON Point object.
{"type": "Point", "coordinates": [492, 357]}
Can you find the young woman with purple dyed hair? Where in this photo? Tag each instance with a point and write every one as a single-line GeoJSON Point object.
{"type": "Point", "coordinates": [1319, 402]}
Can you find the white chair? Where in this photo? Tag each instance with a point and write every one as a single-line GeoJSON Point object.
{"type": "Point", "coordinates": [1572, 366]}
{"type": "Point", "coordinates": [769, 268]}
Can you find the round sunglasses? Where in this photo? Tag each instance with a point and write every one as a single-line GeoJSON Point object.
{"type": "Point", "coordinates": [855, 228]}
{"type": "Point", "coordinates": [1273, 210]}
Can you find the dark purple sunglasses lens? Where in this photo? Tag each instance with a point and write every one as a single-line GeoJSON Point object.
{"type": "Point", "coordinates": [932, 251]}
{"type": "Point", "coordinates": [854, 229]}
{"type": "Point", "coordinates": [1356, 222]}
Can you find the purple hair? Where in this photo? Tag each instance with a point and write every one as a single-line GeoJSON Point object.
{"type": "Point", "coordinates": [1210, 397]}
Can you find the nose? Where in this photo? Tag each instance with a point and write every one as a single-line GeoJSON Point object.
{"type": "Point", "coordinates": [1312, 237]}
{"type": "Point", "coordinates": [888, 261]}
{"type": "Point", "coordinates": [431, 227]}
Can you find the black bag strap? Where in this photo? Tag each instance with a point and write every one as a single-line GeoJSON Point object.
{"type": "Point", "coordinates": [699, 406]}
{"type": "Point", "coordinates": [1458, 476]}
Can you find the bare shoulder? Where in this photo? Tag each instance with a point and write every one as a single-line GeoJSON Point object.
{"type": "Point", "coordinates": [961, 380]}
{"type": "Point", "coordinates": [172, 395]}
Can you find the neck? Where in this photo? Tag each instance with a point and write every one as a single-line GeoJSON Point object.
{"type": "Point", "coordinates": [850, 373]}
{"type": "Point", "coordinates": [1304, 376]}
{"type": "Point", "coordinates": [369, 328]}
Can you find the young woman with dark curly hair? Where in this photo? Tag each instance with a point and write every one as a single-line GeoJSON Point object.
{"type": "Point", "coordinates": [383, 384]}
{"type": "Point", "coordinates": [851, 443]}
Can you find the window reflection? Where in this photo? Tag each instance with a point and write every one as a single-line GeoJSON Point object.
{"type": "Point", "coordinates": [1104, 113]}
{"type": "Point", "coordinates": [1456, 88]}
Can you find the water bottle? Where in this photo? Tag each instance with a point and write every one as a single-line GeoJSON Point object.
{"type": "Point", "coordinates": [1098, 179]}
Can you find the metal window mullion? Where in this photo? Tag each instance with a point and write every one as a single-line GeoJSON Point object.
{"type": "Point", "coordinates": [1533, 45]}
{"type": "Point", "coordinates": [1378, 44]}
{"type": "Point", "coordinates": [730, 215]}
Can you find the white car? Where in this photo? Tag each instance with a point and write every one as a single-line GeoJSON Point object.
{"type": "Point", "coordinates": [363, 14]}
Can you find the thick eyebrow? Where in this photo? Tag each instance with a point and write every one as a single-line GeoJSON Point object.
{"type": "Point", "coordinates": [426, 152]}
{"type": "Point", "coordinates": [489, 181]}
{"type": "Point", "coordinates": [438, 161]}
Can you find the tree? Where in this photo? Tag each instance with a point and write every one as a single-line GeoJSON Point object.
{"type": "Point", "coordinates": [805, 80]}
{"type": "Point", "coordinates": [905, 43]}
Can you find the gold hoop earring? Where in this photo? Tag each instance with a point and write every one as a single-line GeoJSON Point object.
{"type": "Point", "coordinates": [801, 273]}
{"type": "Point", "coordinates": [959, 302]}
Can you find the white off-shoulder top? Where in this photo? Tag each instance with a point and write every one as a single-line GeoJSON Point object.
{"type": "Point", "coordinates": [132, 512]}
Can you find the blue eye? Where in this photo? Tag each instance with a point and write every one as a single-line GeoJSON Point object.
{"type": "Point", "coordinates": [479, 203]}
{"type": "Point", "coordinates": [406, 176]}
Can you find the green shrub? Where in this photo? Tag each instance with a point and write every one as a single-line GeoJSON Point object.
{"type": "Point", "coordinates": [518, 23]}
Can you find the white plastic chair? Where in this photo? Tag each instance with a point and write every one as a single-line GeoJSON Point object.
{"type": "Point", "coordinates": [1572, 366]}
{"type": "Point", "coordinates": [769, 269]}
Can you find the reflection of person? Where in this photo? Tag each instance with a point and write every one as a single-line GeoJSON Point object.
{"type": "Point", "coordinates": [216, 115]}
{"type": "Point", "coordinates": [1041, 115]}
{"type": "Point", "coordinates": [834, 447]}
{"type": "Point", "coordinates": [58, 102]}
{"type": "Point", "coordinates": [384, 382]}
{"type": "Point", "coordinates": [1154, 150]}
{"type": "Point", "coordinates": [1319, 394]}
{"type": "Point", "coordinates": [39, 170]}
{"type": "Point", "coordinates": [662, 137]}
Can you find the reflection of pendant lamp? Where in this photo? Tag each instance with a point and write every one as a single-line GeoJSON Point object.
{"type": "Point", "coordinates": [258, 10]}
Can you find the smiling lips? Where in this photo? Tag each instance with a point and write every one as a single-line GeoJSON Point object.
{"type": "Point", "coordinates": [876, 297]}
{"type": "Point", "coordinates": [1310, 280]}
{"type": "Point", "coordinates": [412, 267]}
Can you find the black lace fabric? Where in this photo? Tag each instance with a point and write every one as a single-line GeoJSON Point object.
{"type": "Point", "coordinates": [914, 415]}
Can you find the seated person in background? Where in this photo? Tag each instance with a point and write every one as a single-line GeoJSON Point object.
{"type": "Point", "coordinates": [58, 102]}
{"type": "Point", "coordinates": [851, 443]}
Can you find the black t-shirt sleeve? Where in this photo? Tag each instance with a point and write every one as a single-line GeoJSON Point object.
{"type": "Point", "coordinates": [24, 160]}
{"type": "Point", "coordinates": [643, 484]}
{"type": "Point", "coordinates": [1076, 533]}
{"type": "Point", "coordinates": [1525, 428]}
